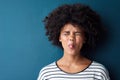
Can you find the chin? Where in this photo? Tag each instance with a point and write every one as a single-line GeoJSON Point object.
{"type": "Point", "coordinates": [73, 53]}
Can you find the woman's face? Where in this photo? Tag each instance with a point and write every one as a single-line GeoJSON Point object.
{"type": "Point", "coordinates": [72, 39]}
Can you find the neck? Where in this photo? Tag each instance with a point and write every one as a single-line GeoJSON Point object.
{"type": "Point", "coordinates": [71, 59]}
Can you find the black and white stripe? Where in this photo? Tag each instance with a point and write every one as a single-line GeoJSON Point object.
{"type": "Point", "coordinates": [95, 71]}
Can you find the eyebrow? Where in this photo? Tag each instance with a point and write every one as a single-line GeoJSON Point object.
{"type": "Point", "coordinates": [66, 31]}
{"type": "Point", "coordinates": [78, 32]}
{"type": "Point", "coordinates": [75, 31]}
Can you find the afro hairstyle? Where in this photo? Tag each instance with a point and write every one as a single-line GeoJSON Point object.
{"type": "Point", "coordinates": [78, 14]}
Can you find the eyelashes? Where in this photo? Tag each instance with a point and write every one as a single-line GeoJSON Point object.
{"type": "Point", "coordinates": [78, 33]}
{"type": "Point", "coordinates": [75, 33]}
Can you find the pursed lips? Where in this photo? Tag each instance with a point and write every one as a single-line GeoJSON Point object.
{"type": "Point", "coordinates": [71, 46]}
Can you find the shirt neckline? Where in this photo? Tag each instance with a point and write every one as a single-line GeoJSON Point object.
{"type": "Point", "coordinates": [75, 72]}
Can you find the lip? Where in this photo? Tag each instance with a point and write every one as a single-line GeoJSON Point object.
{"type": "Point", "coordinates": [71, 46]}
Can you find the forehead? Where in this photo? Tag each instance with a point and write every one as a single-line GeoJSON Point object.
{"type": "Point", "coordinates": [70, 27]}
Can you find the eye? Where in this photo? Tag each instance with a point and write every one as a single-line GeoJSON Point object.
{"type": "Point", "coordinates": [78, 33]}
{"type": "Point", "coordinates": [66, 33]}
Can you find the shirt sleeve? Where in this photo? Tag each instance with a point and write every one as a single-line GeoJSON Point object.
{"type": "Point", "coordinates": [102, 73]}
{"type": "Point", "coordinates": [105, 74]}
{"type": "Point", "coordinates": [41, 75]}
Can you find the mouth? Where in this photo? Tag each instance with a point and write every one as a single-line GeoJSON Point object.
{"type": "Point", "coordinates": [71, 46]}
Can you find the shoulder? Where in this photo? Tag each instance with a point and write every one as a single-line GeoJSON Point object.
{"type": "Point", "coordinates": [98, 66]}
{"type": "Point", "coordinates": [47, 67]}
{"type": "Point", "coordinates": [100, 71]}
{"type": "Point", "coordinates": [46, 70]}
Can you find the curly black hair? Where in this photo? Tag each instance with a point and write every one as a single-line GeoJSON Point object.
{"type": "Point", "coordinates": [78, 14]}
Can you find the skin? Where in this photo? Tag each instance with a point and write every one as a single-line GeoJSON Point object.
{"type": "Point", "coordinates": [72, 39]}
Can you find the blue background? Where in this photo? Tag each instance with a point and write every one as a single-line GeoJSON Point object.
{"type": "Point", "coordinates": [24, 48]}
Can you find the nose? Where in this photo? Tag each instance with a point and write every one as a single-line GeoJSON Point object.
{"type": "Point", "coordinates": [71, 37]}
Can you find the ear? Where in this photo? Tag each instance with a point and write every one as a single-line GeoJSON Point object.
{"type": "Point", "coordinates": [59, 39]}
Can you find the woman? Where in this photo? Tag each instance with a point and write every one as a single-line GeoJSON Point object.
{"type": "Point", "coordinates": [75, 29]}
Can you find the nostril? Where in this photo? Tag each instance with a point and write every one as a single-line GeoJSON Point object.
{"type": "Point", "coordinates": [71, 39]}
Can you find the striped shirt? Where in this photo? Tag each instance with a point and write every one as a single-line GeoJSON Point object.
{"type": "Point", "coordinates": [95, 71]}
